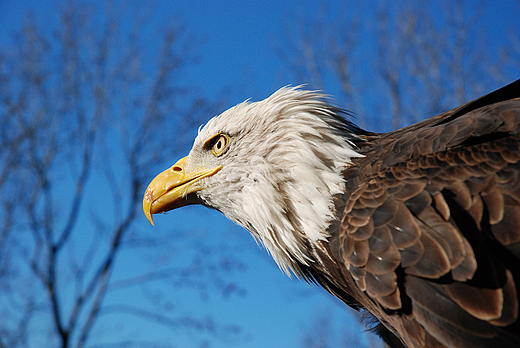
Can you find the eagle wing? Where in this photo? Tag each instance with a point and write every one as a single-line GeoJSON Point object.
{"type": "Point", "coordinates": [429, 234]}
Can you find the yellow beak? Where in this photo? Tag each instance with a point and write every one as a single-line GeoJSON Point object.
{"type": "Point", "coordinates": [167, 189]}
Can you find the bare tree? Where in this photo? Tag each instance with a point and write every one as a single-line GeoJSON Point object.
{"type": "Point", "coordinates": [431, 63]}
{"type": "Point", "coordinates": [319, 50]}
{"type": "Point", "coordinates": [81, 107]}
{"type": "Point", "coordinates": [324, 332]}
{"type": "Point", "coordinates": [403, 61]}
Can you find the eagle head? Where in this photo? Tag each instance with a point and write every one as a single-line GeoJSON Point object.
{"type": "Point", "coordinates": [271, 166]}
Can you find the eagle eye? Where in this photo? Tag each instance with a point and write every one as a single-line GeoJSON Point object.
{"type": "Point", "coordinates": [220, 143]}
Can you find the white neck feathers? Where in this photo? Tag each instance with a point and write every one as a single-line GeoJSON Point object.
{"type": "Point", "coordinates": [288, 157]}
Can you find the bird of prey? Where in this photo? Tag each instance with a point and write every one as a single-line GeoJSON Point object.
{"type": "Point", "coordinates": [419, 227]}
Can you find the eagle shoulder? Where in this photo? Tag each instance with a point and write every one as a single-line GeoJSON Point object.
{"type": "Point", "coordinates": [428, 238]}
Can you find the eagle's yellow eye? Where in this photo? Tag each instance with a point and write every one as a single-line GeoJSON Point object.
{"type": "Point", "coordinates": [220, 144]}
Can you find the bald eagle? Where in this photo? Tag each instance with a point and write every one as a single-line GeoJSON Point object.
{"type": "Point", "coordinates": [420, 226]}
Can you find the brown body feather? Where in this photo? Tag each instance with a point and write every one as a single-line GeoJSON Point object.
{"type": "Point", "coordinates": [429, 233]}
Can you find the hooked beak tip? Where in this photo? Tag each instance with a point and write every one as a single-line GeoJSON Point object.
{"type": "Point", "coordinates": [147, 205]}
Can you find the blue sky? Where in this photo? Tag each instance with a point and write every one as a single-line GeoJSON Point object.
{"type": "Point", "coordinates": [235, 50]}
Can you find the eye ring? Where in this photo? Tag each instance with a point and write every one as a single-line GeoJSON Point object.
{"type": "Point", "coordinates": [220, 144]}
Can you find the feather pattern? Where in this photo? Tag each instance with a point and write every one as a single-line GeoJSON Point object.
{"type": "Point", "coordinates": [454, 217]}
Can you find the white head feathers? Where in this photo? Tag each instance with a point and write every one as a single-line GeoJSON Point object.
{"type": "Point", "coordinates": [281, 169]}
